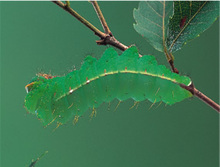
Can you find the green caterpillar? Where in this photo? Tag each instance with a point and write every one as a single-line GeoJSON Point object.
{"type": "Point", "coordinates": [112, 76]}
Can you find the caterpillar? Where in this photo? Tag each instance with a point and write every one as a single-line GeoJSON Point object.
{"type": "Point", "coordinates": [112, 76]}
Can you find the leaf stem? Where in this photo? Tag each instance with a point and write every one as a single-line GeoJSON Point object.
{"type": "Point", "coordinates": [169, 56]}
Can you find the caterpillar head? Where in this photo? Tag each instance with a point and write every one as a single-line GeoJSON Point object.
{"type": "Point", "coordinates": [35, 82]}
{"type": "Point", "coordinates": [37, 100]}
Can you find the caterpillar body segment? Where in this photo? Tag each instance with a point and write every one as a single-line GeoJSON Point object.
{"type": "Point", "coordinates": [112, 76]}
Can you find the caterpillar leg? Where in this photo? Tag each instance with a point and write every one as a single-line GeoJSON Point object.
{"type": "Point", "coordinates": [76, 119]}
{"type": "Point", "coordinates": [58, 124]}
{"type": "Point", "coordinates": [135, 103]}
{"type": "Point", "coordinates": [117, 105]}
{"type": "Point", "coordinates": [93, 114]}
{"type": "Point", "coordinates": [152, 104]}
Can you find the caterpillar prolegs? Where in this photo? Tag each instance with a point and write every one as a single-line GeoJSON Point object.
{"type": "Point", "coordinates": [97, 81]}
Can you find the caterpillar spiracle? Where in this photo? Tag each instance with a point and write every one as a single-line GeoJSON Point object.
{"type": "Point", "coordinates": [112, 76]}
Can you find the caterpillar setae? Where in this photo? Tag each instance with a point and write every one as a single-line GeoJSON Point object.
{"type": "Point", "coordinates": [97, 81]}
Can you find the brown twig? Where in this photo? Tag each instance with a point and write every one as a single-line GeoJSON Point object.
{"type": "Point", "coordinates": [108, 39]}
{"type": "Point", "coordinates": [207, 100]}
{"type": "Point", "coordinates": [80, 18]}
{"type": "Point", "coordinates": [105, 38]}
{"type": "Point", "coordinates": [172, 67]}
{"type": "Point", "coordinates": [202, 97]}
{"type": "Point", "coordinates": [101, 17]}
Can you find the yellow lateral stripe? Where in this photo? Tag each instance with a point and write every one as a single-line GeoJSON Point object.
{"type": "Point", "coordinates": [116, 72]}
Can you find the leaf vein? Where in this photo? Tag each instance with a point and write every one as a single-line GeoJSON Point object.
{"type": "Point", "coordinates": [151, 32]}
{"type": "Point", "coordinates": [190, 20]}
{"type": "Point", "coordinates": [151, 21]}
{"type": "Point", "coordinates": [154, 10]}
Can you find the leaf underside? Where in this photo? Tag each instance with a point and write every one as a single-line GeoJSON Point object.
{"type": "Point", "coordinates": [169, 28]}
{"type": "Point", "coordinates": [112, 76]}
{"type": "Point", "coordinates": [152, 21]}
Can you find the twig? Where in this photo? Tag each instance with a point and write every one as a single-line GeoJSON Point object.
{"type": "Point", "coordinates": [108, 39]}
{"type": "Point", "coordinates": [105, 39]}
{"type": "Point", "coordinates": [172, 67]}
{"type": "Point", "coordinates": [207, 100]}
{"type": "Point", "coordinates": [201, 96]}
{"type": "Point", "coordinates": [80, 18]}
{"type": "Point", "coordinates": [68, 3]}
{"type": "Point", "coordinates": [101, 17]}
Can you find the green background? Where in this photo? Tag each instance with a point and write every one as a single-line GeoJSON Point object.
{"type": "Point", "coordinates": [41, 37]}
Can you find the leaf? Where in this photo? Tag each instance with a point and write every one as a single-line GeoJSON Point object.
{"type": "Point", "coordinates": [152, 21]}
{"type": "Point", "coordinates": [189, 20]}
{"type": "Point", "coordinates": [97, 81]}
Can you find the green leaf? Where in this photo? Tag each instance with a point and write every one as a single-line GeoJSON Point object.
{"type": "Point", "coordinates": [189, 20]}
{"type": "Point", "coordinates": [152, 21]}
{"type": "Point", "coordinates": [97, 81]}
